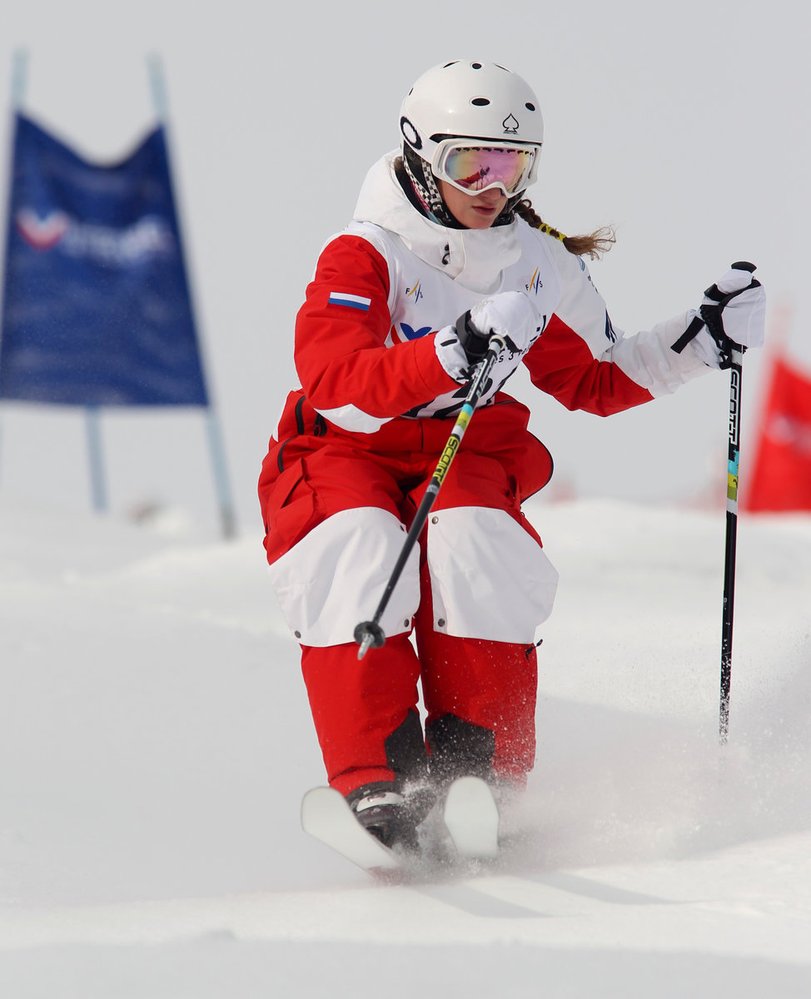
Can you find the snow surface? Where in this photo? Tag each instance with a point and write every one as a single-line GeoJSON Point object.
{"type": "Point", "coordinates": [155, 742]}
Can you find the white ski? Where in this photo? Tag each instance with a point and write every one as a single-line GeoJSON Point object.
{"type": "Point", "coordinates": [326, 816]}
{"type": "Point", "coordinates": [471, 817]}
{"type": "Point", "coordinates": [469, 813]}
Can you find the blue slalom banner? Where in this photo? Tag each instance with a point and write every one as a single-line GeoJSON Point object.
{"type": "Point", "coordinates": [96, 304]}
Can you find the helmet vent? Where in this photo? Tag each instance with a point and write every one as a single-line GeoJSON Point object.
{"type": "Point", "coordinates": [476, 65]}
{"type": "Point", "coordinates": [480, 102]}
{"type": "Point", "coordinates": [529, 106]}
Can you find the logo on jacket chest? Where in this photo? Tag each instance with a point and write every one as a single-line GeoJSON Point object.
{"type": "Point", "coordinates": [535, 283]}
{"type": "Point", "coordinates": [413, 334]}
{"type": "Point", "coordinates": [404, 330]}
{"type": "Point", "coordinates": [415, 291]}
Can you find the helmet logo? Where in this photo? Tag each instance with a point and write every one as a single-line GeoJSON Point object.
{"type": "Point", "coordinates": [410, 134]}
{"type": "Point", "coordinates": [510, 125]}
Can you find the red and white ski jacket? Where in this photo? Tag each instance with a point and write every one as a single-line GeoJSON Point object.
{"type": "Point", "coordinates": [386, 285]}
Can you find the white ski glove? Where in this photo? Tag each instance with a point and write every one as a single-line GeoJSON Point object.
{"type": "Point", "coordinates": [511, 314]}
{"type": "Point", "coordinates": [732, 313]}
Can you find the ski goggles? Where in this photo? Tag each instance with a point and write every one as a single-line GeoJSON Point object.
{"type": "Point", "coordinates": [473, 168]}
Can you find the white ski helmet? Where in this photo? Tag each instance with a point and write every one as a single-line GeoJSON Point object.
{"type": "Point", "coordinates": [476, 100]}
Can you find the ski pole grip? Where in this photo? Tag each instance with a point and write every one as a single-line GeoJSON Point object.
{"type": "Point", "coordinates": [497, 343]}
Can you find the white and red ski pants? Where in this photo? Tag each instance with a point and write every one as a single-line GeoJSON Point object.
{"type": "Point", "coordinates": [461, 621]}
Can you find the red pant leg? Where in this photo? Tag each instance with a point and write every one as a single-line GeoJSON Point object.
{"type": "Point", "coordinates": [480, 699]}
{"type": "Point", "coordinates": [365, 712]}
{"type": "Point", "coordinates": [479, 695]}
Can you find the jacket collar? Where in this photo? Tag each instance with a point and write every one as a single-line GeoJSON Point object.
{"type": "Point", "coordinates": [475, 258]}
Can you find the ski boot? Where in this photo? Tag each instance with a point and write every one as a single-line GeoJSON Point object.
{"type": "Point", "coordinates": [389, 815]}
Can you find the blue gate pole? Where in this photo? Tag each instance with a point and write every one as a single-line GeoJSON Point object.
{"type": "Point", "coordinates": [217, 451]}
{"type": "Point", "coordinates": [214, 431]}
{"type": "Point", "coordinates": [98, 486]}
{"type": "Point", "coordinates": [95, 452]}
{"type": "Point", "coordinates": [19, 62]}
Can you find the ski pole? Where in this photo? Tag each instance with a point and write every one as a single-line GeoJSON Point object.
{"type": "Point", "coordinates": [733, 461]}
{"type": "Point", "coordinates": [731, 542]}
{"type": "Point", "coordinates": [369, 634]}
{"type": "Point", "coordinates": [732, 358]}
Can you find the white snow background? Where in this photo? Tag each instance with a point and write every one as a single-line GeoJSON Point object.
{"type": "Point", "coordinates": [155, 742]}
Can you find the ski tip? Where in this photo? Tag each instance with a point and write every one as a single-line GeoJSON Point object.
{"type": "Point", "coordinates": [313, 801]}
{"type": "Point", "coordinates": [472, 819]}
{"type": "Point", "coordinates": [326, 817]}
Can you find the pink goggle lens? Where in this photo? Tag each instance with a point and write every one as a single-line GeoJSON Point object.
{"type": "Point", "coordinates": [475, 168]}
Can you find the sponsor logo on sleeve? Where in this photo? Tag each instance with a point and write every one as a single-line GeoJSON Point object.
{"type": "Point", "coordinates": [609, 329]}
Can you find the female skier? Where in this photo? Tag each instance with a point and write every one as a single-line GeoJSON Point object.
{"type": "Point", "coordinates": [444, 250]}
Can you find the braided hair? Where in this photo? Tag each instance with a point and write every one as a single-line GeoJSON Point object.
{"type": "Point", "coordinates": [593, 244]}
{"type": "Point", "coordinates": [419, 184]}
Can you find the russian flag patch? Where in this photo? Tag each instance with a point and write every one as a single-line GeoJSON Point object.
{"type": "Point", "coordinates": [353, 301]}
